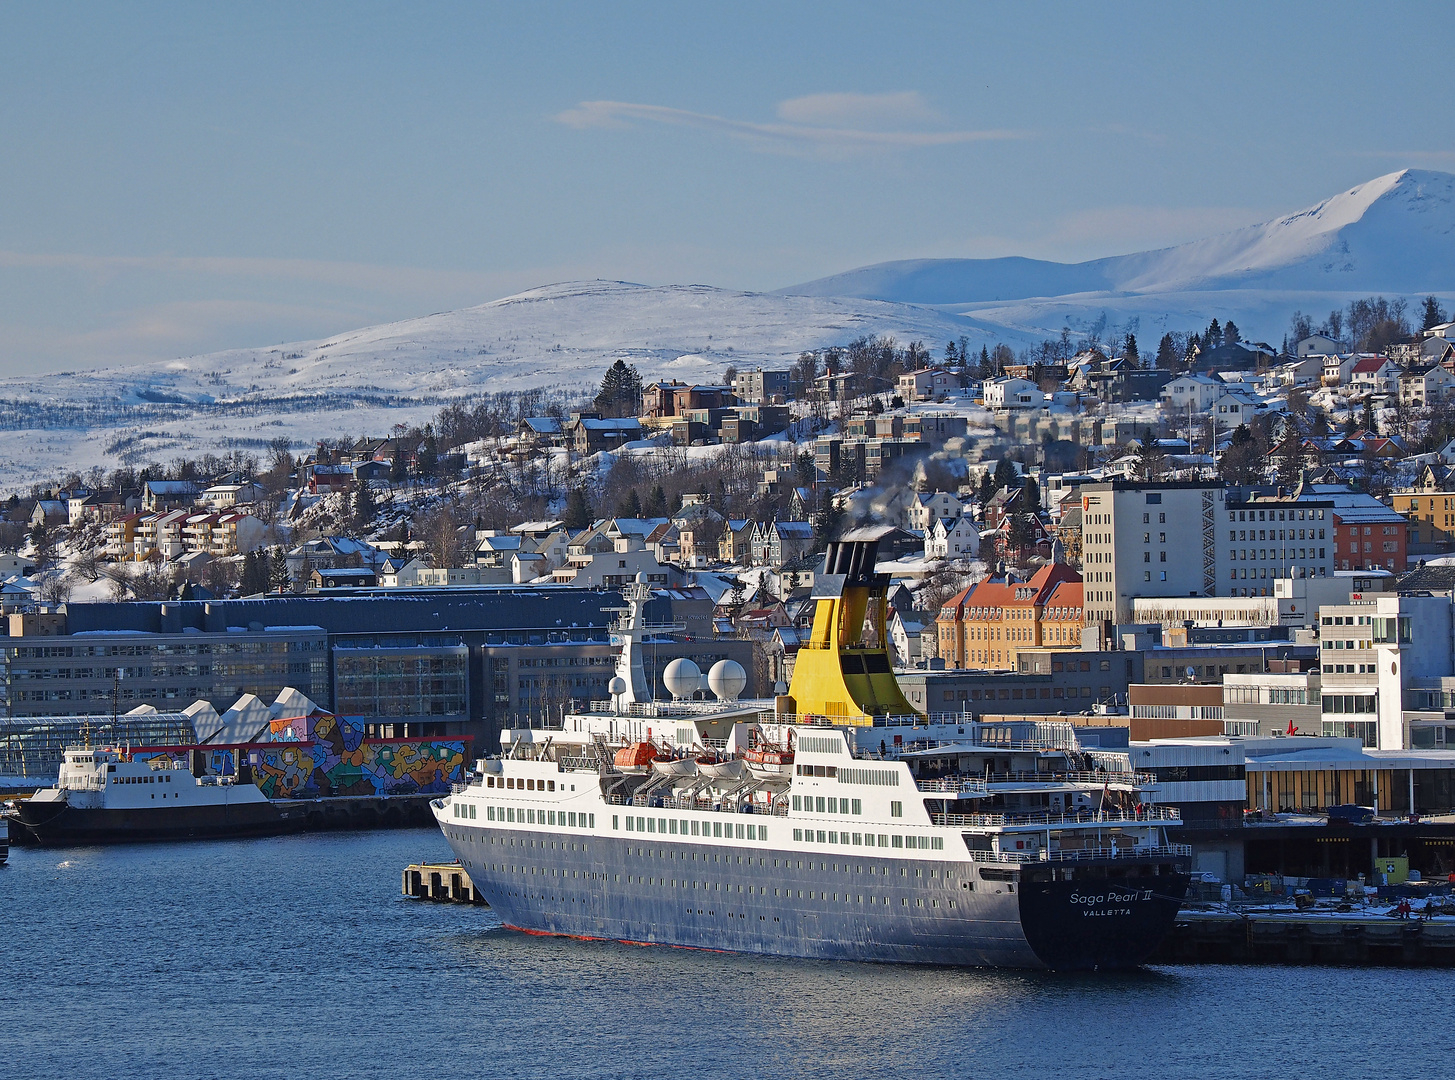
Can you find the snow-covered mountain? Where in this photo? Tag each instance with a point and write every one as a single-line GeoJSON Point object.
{"type": "Point", "coordinates": [1394, 234]}
{"type": "Point", "coordinates": [365, 381]}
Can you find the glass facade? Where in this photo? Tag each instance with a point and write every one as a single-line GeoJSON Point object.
{"type": "Point", "coordinates": [402, 683]}
{"type": "Point", "coordinates": [89, 676]}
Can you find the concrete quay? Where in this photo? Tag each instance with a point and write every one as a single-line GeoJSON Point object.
{"type": "Point", "coordinates": [1356, 938]}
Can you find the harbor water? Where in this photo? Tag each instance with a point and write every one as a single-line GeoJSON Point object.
{"type": "Point", "coordinates": [297, 957]}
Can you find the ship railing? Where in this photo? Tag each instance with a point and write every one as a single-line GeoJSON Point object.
{"type": "Point", "coordinates": [650, 802]}
{"type": "Point", "coordinates": [1050, 776]}
{"type": "Point", "coordinates": [953, 784]}
{"type": "Point", "coordinates": [654, 709]}
{"type": "Point", "coordinates": [458, 788]}
{"type": "Point", "coordinates": [1129, 851]}
{"type": "Point", "coordinates": [1083, 817]}
{"type": "Point", "coordinates": [578, 764]}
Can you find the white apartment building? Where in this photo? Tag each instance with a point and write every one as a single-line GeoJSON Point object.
{"type": "Point", "coordinates": [1372, 651]}
{"type": "Point", "coordinates": [1148, 539]}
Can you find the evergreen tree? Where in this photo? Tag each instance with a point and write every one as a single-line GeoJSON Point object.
{"type": "Point", "coordinates": [398, 468]}
{"type": "Point", "coordinates": [1213, 336]}
{"type": "Point", "coordinates": [1167, 353]}
{"type": "Point", "coordinates": [254, 574]}
{"type": "Point", "coordinates": [1129, 351]}
{"type": "Point", "coordinates": [1290, 457]}
{"type": "Point", "coordinates": [621, 391]}
{"type": "Point", "coordinates": [278, 570]}
{"type": "Point", "coordinates": [987, 488]}
{"type": "Point", "coordinates": [1434, 314]}
{"type": "Point", "coordinates": [578, 513]}
{"type": "Point", "coordinates": [985, 370]}
{"type": "Point", "coordinates": [1032, 496]}
{"type": "Point", "coordinates": [656, 506]}
{"type": "Point", "coordinates": [365, 506]}
{"type": "Point", "coordinates": [1370, 424]}
{"type": "Point", "coordinates": [429, 454]}
{"type": "Point", "coordinates": [631, 506]}
{"type": "Point", "coordinates": [1151, 461]}
{"type": "Point", "coordinates": [1231, 334]}
{"type": "Point", "coordinates": [827, 524]}
{"type": "Point", "coordinates": [1005, 474]}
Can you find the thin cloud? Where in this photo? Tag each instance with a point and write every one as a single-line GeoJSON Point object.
{"type": "Point", "coordinates": [858, 110]}
{"type": "Point", "coordinates": [784, 137]}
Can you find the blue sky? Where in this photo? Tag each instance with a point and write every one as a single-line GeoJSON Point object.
{"type": "Point", "coordinates": [183, 178]}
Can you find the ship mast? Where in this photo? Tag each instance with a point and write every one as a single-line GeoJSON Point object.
{"type": "Point", "coordinates": [628, 632]}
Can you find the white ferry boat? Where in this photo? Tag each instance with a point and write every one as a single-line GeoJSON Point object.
{"type": "Point", "coordinates": [101, 795]}
{"type": "Point", "coordinates": [833, 821]}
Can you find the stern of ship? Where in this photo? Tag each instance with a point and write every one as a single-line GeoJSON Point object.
{"type": "Point", "coordinates": [1100, 915]}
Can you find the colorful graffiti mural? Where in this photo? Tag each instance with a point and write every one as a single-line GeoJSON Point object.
{"type": "Point", "coordinates": [338, 760]}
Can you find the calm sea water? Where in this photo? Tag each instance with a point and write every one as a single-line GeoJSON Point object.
{"type": "Point", "coordinates": [297, 957]}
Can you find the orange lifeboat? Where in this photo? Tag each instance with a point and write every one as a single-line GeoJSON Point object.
{"type": "Point", "coordinates": [636, 756]}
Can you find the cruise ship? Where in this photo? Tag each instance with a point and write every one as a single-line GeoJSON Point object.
{"type": "Point", "coordinates": [833, 821]}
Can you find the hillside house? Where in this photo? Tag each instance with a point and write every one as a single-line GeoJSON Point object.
{"type": "Point", "coordinates": [1427, 385]}
{"type": "Point", "coordinates": [926, 507]}
{"type": "Point", "coordinates": [222, 496]}
{"type": "Point", "coordinates": [1009, 394]}
{"type": "Point", "coordinates": [1374, 375]}
{"type": "Point", "coordinates": [952, 538]}
{"type": "Point", "coordinates": [592, 435]}
{"type": "Point", "coordinates": [158, 495]}
{"type": "Point", "coordinates": [735, 546]}
{"type": "Point", "coordinates": [774, 543]}
{"type": "Point", "coordinates": [1191, 391]}
{"type": "Point", "coordinates": [927, 384]}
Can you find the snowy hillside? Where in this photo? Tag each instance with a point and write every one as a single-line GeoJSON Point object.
{"type": "Point", "coordinates": [365, 381]}
{"type": "Point", "coordinates": [1394, 234]}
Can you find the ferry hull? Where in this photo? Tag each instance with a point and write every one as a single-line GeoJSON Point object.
{"type": "Point", "coordinates": [54, 825]}
{"type": "Point", "coordinates": [849, 907]}
{"type": "Point", "coordinates": [1100, 922]}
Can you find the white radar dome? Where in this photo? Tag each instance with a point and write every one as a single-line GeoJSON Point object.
{"type": "Point", "coordinates": [617, 686]}
{"type": "Point", "coordinates": [727, 679]}
{"type": "Point", "coordinates": [681, 678]}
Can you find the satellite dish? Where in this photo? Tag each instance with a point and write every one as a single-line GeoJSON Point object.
{"type": "Point", "coordinates": [1192, 672]}
{"type": "Point", "coordinates": [682, 678]}
{"type": "Point", "coordinates": [617, 686]}
{"type": "Point", "coordinates": [727, 679]}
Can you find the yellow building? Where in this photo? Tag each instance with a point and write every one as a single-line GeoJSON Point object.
{"type": "Point", "coordinates": [986, 625]}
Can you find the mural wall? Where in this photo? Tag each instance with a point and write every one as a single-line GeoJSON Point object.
{"type": "Point", "coordinates": [338, 760]}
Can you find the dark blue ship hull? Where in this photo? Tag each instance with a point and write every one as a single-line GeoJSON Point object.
{"type": "Point", "coordinates": [1083, 916]}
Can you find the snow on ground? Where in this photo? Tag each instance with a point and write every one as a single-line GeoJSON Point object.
{"type": "Point", "coordinates": [561, 338]}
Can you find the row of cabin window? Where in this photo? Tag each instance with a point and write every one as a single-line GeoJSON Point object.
{"type": "Point", "coordinates": [719, 830]}
{"type": "Point", "coordinates": [522, 782]}
{"type": "Point", "coordinates": [163, 779]}
{"type": "Point", "coordinates": [817, 804]}
{"type": "Point", "coordinates": [907, 840]}
{"type": "Point", "coordinates": [531, 816]}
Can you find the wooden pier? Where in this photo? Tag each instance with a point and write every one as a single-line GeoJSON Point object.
{"type": "Point", "coordinates": [1271, 937]}
{"type": "Point", "coordinates": [444, 882]}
